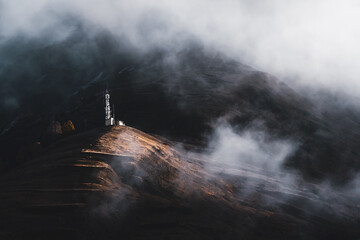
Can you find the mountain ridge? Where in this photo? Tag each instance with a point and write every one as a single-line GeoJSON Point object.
{"type": "Point", "coordinates": [114, 182]}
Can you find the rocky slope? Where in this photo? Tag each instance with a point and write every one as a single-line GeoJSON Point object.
{"type": "Point", "coordinates": [119, 182]}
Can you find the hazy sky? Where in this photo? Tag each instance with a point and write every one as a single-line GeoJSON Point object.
{"type": "Point", "coordinates": [316, 42]}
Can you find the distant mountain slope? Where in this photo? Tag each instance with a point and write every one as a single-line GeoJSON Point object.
{"type": "Point", "coordinates": [122, 183]}
{"type": "Point", "coordinates": [180, 93]}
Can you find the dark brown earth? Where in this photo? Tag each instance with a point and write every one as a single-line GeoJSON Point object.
{"type": "Point", "coordinates": [121, 183]}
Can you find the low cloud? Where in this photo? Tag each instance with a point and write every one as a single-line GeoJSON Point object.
{"type": "Point", "coordinates": [249, 148]}
{"type": "Point", "coordinates": [303, 42]}
{"type": "Point", "coordinates": [253, 161]}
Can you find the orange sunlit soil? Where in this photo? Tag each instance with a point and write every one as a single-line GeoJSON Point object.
{"type": "Point", "coordinates": [119, 182]}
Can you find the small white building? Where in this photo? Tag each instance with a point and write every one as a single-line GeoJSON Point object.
{"type": "Point", "coordinates": [110, 122]}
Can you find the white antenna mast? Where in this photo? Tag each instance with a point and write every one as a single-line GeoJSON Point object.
{"type": "Point", "coordinates": [109, 121]}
